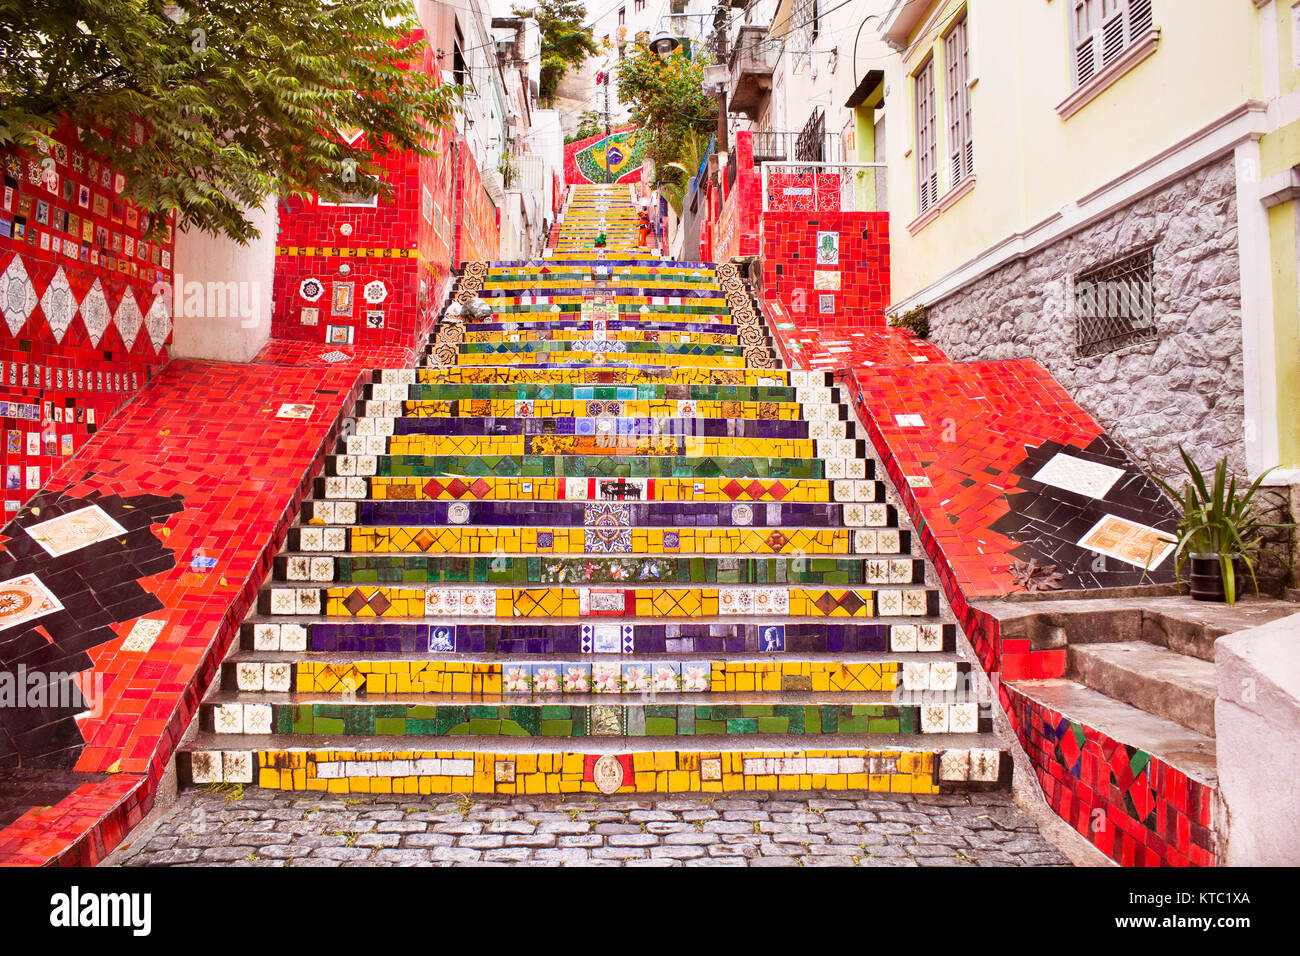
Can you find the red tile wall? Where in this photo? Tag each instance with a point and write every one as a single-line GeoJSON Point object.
{"type": "Point", "coordinates": [409, 241]}
{"type": "Point", "coordinates": [478, 235]}
{"type": "Point", "coordinates": [735, 233]}
{"type": "Point", "coordinates": [788, 242]}
{"type": "Point", "coordinates": [61, 388]}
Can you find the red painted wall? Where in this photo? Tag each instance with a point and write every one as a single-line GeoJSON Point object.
{"type": "Point", "coordinates": [64, 369]}
{"type": "Point", "coordinates": [478, 235]}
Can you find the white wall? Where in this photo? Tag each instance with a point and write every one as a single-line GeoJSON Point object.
{"type": "Point", "coordinates": [222, 294]}
{"type": "Point", "coordinates": [1256, 717]}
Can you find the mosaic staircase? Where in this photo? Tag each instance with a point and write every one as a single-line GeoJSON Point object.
{"type": "Point", "coordinates": [591, 210]}
{"type": "Point", "coordinates": [598, 542]}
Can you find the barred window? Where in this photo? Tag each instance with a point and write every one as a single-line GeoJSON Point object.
{"type": "Point", "coordinates": [1114, 304]}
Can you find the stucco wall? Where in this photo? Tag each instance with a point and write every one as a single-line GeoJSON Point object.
{"type": "Point", "coordinates": [1256, 715]}
{"type": "Point", "coordinates": [1185, 386]}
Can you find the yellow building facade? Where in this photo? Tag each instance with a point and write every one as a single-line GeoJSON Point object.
{"type": "Point", "coordinates": [1043, 155]}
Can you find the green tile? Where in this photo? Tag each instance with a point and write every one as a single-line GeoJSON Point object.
{"type": "Point", "coordinates": [660, 726]}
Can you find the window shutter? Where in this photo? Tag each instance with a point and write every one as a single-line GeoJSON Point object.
{"type": "Point", "coordinates": [1139, 18]}
{"type": "Point", "coordinates": [960, 152]}
{"type": "Point", "coordinates": [1102, 29]}
{"type": "Point", "coordinates": [1112, 37]}
{"type": "Point", "coordinates": [927, 173]}
{"type": "Point", "coordinates": [1086, 64]}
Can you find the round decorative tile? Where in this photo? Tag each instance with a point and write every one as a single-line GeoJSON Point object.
{"type": "Point", "coordinates": [458, 512]}
{"type": "Point", "coordinates": [607, 774]}
{"type": "Point", "coordinates": [742, 514]}
{"type": "Point", "coordinates": [13, 602]}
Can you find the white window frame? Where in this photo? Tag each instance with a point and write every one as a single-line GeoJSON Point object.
{"type": "Point", "coordinates": [926, 118]}
{"type": "Point", "coordinates": [956, 58]}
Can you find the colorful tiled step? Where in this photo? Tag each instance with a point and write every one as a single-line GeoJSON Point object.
{"type": "Point", "coordinates": [417, 601]}
{"type": "Point", "coordinates": [865, 491]}
{"type": "Point", "coordinates": [487, 678]}
{"type": "Point", "coordinates": [524, 569]}
{"type": "Point", "coordinates": [610, 516]}
{"type": "Point", "coordinates": [356, 765]}
{"type": "Point", "coordinates": [599, 518]}
{"type": "Point", "coordinates": [836, 636]}
{"type": "Point", "coordinates": [583, 715]}
{"type": "Point", "coordinates": [553, 541]}
{"type": "Point", "coordinates": [594, 465]}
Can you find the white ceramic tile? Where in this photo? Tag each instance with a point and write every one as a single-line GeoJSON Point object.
{"type": "Point", "coordinates": [1088, 478]}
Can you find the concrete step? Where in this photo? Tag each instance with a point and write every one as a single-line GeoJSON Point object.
{"type": "Point", "coordinates": [1153, 678]}
{"type": "Point", "coordinates": [1190, 752]}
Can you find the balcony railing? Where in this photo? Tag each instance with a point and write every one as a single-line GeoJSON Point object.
{"type": "Point", "coordinates": [784, 147]}
{"type": "Point", "coordinates": [824, 187]}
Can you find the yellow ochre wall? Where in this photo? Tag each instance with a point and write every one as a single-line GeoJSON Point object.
{"type": "Point", "coordinates": [1029, 162]}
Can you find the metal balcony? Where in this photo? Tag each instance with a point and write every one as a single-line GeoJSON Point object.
{"type": "Point", "coordinates": [753, 57]}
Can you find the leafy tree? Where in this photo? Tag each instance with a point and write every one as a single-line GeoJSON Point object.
{"type": "Point", "coordinates": [208, 106]}
{"type": "Point", "coordinates": [565, 41]}
{"type": "Point", "coordinates": [590, 123]}
{"type": "Point", "coordinates": [674, 177]}
{"type": "Point", "coordinates": [667, 100]}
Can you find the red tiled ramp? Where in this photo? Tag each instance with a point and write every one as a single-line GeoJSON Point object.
{"type": "Point", "coordinates": [148, 605]}
{"type": "Point", "coordinates": [1002, 465]}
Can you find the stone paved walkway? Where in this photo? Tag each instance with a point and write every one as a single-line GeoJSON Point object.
{"type": "Point", "coordinates": [269, 828]}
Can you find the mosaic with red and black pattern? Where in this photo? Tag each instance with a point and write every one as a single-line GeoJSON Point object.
{"type": "Point", "coordinates": [86, 303]}
{"type": "Point", "coordinates": [1134, 807]}
{"type": "Point", "coordinates": [218, 468]}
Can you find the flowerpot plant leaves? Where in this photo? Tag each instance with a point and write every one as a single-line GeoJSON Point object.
{"type": "Point", "coordinates": [1220, 521]}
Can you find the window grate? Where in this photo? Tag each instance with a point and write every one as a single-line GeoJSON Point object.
{"type": "Point", "coordinates": [1114, 304]}
{"type": "Point", "coordinates": [809, 147]}
{"type": "Point", "coordinates": [805, 16]}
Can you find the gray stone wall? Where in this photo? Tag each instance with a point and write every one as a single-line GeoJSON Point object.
{"type": "Point", "coordinates": [1184, 386]}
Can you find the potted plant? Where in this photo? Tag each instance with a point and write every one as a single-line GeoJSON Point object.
{"type": "Point", "coordinates": [1221, 531]}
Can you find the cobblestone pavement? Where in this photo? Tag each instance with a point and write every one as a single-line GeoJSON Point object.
{"type": "Point", "coordinates": [270, 828]}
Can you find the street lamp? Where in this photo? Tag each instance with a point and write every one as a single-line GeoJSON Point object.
{"type": "Point", "coordinates": [664, 43]}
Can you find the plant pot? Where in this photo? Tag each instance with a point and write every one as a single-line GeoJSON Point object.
{"type": "Point", "coordinates": [1206, 577]}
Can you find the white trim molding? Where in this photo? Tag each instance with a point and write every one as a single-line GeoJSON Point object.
{"type": "Point", "coordinates": [1259, 368]}
{"type": "Point", "coordinates": [965, 185]}
{"type": "Point", "coordinates": [945, 202]}
{"type": "Point", "coordinates": [1280, 187]}
{"type": "Point", "coordinates": [1135, 53]}
{"type": "Point", "coordinates": [923, 220]}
